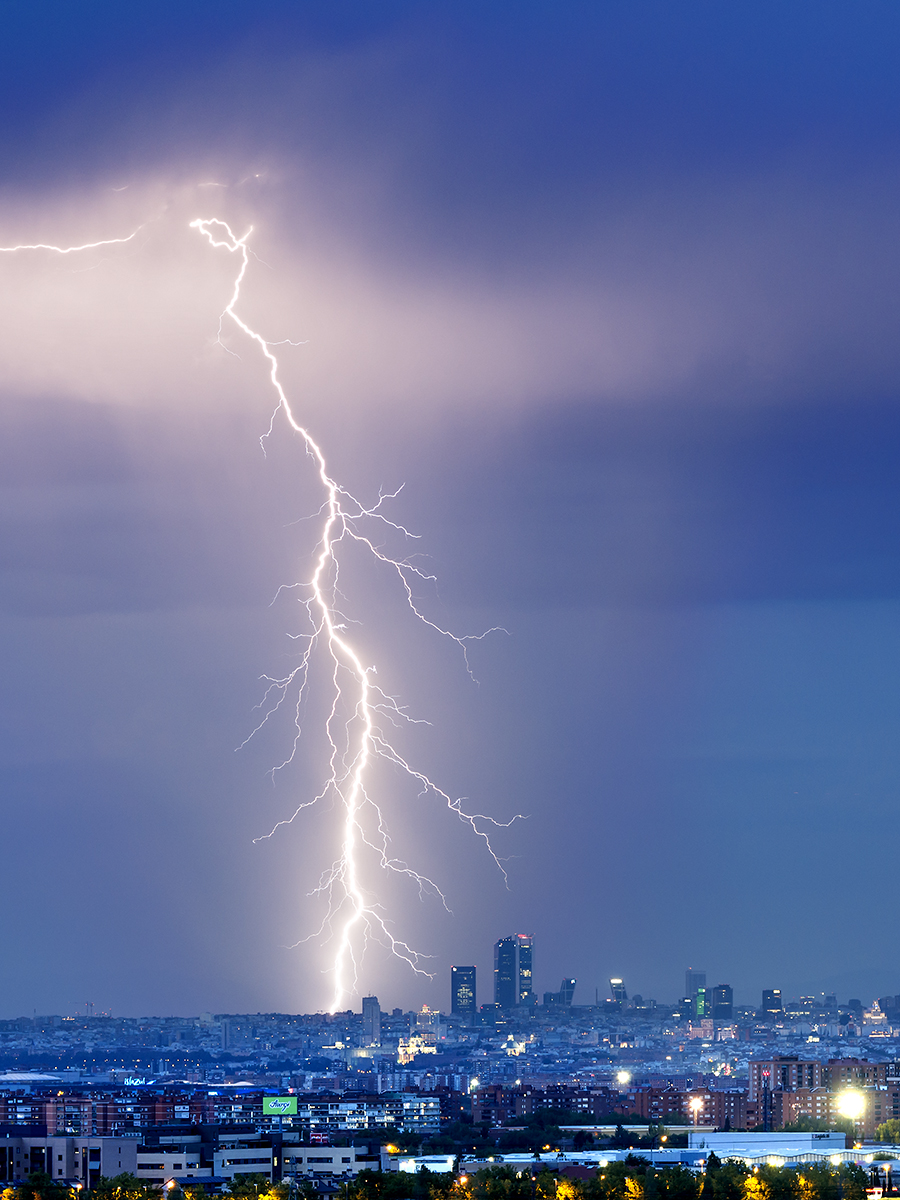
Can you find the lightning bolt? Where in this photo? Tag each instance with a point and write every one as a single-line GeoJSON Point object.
{"type": "Point", "coordinates": [72, 249]}
{"type": "Point", "coordinates": [359, 707]}
{"type": "Point", "coordinates": [353, 912]}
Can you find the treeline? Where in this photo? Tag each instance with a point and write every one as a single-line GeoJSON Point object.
{"type": "Point", "coordinates": [532, 1134]}
{"type": "Point", "coordinates": [126, 1186]}
{"type": "Point", "coordinates": [634, 1179]}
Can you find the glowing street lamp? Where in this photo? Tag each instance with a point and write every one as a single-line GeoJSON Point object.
{"type": "Point", "coordinates": [851, 1104]}
{"type": "Point", "coordinates": [696, 1105]}
{"type": "Point", "coordinates": [623, 1078]}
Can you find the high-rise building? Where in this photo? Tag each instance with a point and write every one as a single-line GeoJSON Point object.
{"type": "Point", "coordinates": [617, 991]}
{"type": "Point", "coordinates": [371, 1021]}
{"type": "Point", "coordinates": [514, 970]}
{"type": "Point", "coordinates": [526, 973]}
{"type": "Point", "coordinates": [771, 1001]}
{"type": "Point", "coordinates": [700, 1005]}
{"type": "Point", "coordinates": [693, 981]}
{"type": "Point", "coordinates": [722, 1000]}
{"type": "Point", "coordinates": [562, 998]}
{"type": "Point", "coordinates": [462, 991]}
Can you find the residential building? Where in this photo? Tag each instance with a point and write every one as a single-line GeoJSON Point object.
{"type": "Point", "coordinates": [76, 1159]}
{"type": "Point", "coordinates": [855, 1073]}
{"type": "Point", "coordinates": [786, 1073]}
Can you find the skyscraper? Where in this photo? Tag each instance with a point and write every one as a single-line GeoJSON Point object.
{"type": "Point", "coordinates": [371, 1021]}
{"type": "Point", "coordinates": [562, 998]}
{"type": "Point", "coordinates": [693, 981]}
{"type": "Point", "coordinates": [617, 991]}
{"type": "Point", "coordinates": [526, 978]}
{"type": "Point", "coordinates": [462, 991]}
{"type": "Point", "coordinates": [722, 1002]}
{"type": "Point", "coordinates": [771, 1001]}
{"type": "Point", "coordinates": [513, 970]}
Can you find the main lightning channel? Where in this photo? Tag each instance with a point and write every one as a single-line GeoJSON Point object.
{"type": "Point", "coordinates": [352, 915]}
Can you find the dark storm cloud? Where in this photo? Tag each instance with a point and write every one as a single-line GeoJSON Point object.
{"type": "Point", "coordinates": [613, 289]}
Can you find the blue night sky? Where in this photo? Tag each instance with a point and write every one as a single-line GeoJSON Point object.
{"type": "Point", "coordinates": [613, 290]}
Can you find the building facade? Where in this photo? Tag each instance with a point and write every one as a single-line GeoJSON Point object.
{"type": "Point", "coordinates": [371, 1021]}
{"type": "Point", "coordinates": [463, 1001]}
{"type": "Point", "coordinates": [514, 971]}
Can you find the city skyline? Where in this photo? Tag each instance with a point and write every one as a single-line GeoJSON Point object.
{"type": "Point", "coordinates": [464, 1000]}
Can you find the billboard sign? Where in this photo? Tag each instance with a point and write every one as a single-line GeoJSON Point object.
{"type": "Point", "coordinates": [279, 1106]}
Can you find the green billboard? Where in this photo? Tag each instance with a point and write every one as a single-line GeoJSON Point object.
{"type": "Point", "coordinates": [279, 1106]}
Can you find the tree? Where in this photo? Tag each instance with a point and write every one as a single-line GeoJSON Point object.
{"type": "Point", "coordinates": [251, 1184]}
{"type": "Point", "coordinates": [853, 1181]}
{"type": "Point", "coordinates": [620, 1139]}
{"type": "Point", "coordinates": [806, 1124]}
{"type": "Point", "coordinates": [278, 1191]}
{"type": "Point", "coordinates": [124, 1187]}
{"type": "Point", "coordinates": [40, 1186]}
{"type": "Point", "coordinates": [779, 1184]}
{"type": "Point", "coordinates": [889, 1131]}
{"type": "Point", "coordinates": [400, 1185]}
{"type": "Point", "coordinates": [609, 1184]}
{"type": "Point", "coordinates": [724, 1180]}
{"type": "Point", "coordinates": [678, 1182]}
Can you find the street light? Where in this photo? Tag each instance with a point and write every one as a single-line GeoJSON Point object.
{"type": "Point", "coordinates": [851, 1104]}
{"type": "Point", "coordinates": [696, 1105]}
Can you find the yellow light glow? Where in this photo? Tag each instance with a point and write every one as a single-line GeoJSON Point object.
{"type": "Point", "coordinates": [851, 1104]}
